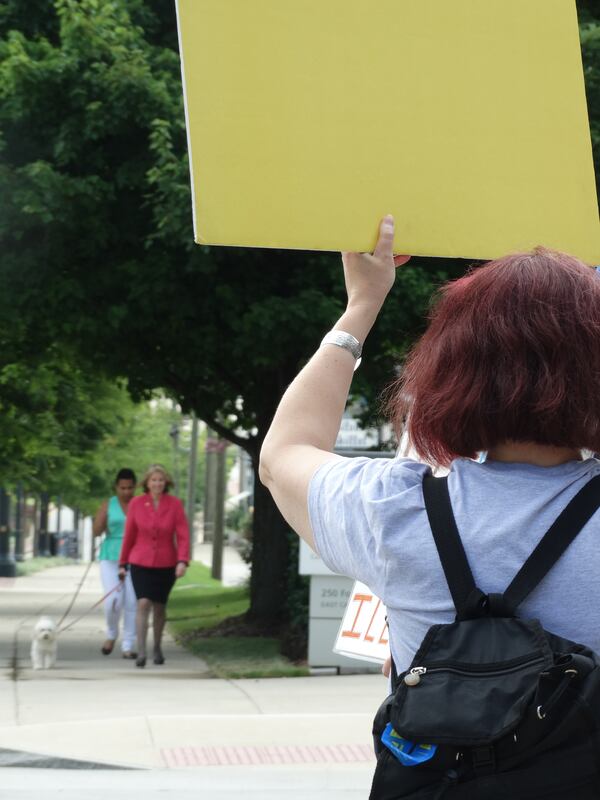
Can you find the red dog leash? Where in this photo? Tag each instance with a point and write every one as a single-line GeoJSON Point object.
{"type": "Point", "coordinates": [118, 587]}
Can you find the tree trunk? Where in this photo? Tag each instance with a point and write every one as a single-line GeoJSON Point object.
{"type": "Point", "coordinates": [270, 559]}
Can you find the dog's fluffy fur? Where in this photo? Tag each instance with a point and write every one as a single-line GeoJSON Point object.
{"type": "Point", "coordinates": [44, 644]}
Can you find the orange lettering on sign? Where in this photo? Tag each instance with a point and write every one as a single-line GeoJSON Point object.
{"type": "Point", "coordinates": [361, 598]}
{"type": "Point", "coordinates": [367, 637]}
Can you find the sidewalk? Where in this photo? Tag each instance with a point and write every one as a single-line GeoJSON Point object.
{"type": "Point", "coordinates": [235, 571]}
{"type": "Point", "coordinates": [250, 735]}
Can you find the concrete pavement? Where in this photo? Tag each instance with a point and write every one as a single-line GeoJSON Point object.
{"type": "Point", "coordinates": [188, 728]}
{"type": "Point", "coordinates": [267, 783]}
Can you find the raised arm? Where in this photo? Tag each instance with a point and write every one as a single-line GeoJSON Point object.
{"type": "Point", "coordinates": [304, 429]}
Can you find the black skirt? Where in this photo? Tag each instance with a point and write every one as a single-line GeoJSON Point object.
{"type": "Point", "coordinates": [152, 583]}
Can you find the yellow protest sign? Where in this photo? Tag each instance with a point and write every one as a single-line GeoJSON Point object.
{"type": "Point", "coordinates": [308, 120]}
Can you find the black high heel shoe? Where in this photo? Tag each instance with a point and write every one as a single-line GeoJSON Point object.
{"type": "Point", "coordinates": [140, 661]}
{"type": "Point", "coordinates": [159, 658]}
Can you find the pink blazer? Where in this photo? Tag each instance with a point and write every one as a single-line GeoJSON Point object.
{"type": "Point", "coordinates": [155, 538]}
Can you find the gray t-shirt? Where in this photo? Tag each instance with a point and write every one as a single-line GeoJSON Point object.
{"type": "Point", "coordinates": [369, 522]}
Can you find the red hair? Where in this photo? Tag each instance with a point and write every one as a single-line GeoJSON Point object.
{"type": "Point", "coordinates": [512, 353]}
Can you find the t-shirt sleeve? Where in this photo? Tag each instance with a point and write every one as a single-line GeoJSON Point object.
{"type": "Point", "coordinates": [354, 506]}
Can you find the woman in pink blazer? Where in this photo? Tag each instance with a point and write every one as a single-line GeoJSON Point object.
{"type": "Point", "coordinates": [156, 548]}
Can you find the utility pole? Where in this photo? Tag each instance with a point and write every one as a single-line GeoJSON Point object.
{"type": "Point", "coordinates": [55, 537]}
{"type": "Point", "coordinates": [191, 489]}
{"type": "Point", "coordinates": [174, 434]}
{"type": "Point", "coordinates": [58, 514]}
{"type": "Point", "coordinates": [219, 519]}
{"type": "Point", "coordinates": [20, 524]}
{"type": "Point", "coordinates": [210, 475]}
{"type": "Point", "coordinates": [36, 530]}
{"type": "Point", "coordinates": [8, 567]}
{"type": "Point", "coordinates": [44, 544]}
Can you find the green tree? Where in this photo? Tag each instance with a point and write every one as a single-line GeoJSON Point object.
{"type": "Point", "coordinates": [140, 435]}
{"type": "Point", "coordinates": [52, 418]}
{"type": "Point", "coordinates": [97, 244]}
{"type": "Point", "coordinates": [67, 433]}
{"type": "Point", "coordinates": [589, 11]}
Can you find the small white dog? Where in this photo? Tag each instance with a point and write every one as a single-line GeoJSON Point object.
{"type": "Point", "coordinates": [44, 644]}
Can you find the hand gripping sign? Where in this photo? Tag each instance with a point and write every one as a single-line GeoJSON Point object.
{"type": "Point", "coordinates": [363, 633]}
{"type": "Point", "coordinates": [309, 120]}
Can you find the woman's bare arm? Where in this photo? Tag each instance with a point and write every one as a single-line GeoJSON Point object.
{"type": "Point", "coordinates": [100, 520]}
{"type": "Point", "coordinates": [303, 432]}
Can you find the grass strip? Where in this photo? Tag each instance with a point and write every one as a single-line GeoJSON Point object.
{"type": "Point", "coordinates": [32, 565]}
{"type": "Point", "coordinates": [197, 604]}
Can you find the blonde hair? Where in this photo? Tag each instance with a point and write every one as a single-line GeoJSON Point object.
{"type": "Point", "coordinates": [169, 483]}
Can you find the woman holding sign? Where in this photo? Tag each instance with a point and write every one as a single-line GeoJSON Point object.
{"type": "Point", "coordinates": [510, 366]}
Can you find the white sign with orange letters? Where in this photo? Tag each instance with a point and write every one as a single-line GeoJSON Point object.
{"type": "Point", "coordinates": [364, 633]}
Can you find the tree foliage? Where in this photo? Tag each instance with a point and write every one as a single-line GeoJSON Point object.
{"type": "Point", "coordinates": [140, 434]}
{"type": "Point", "coordinates": [590, 40]}
{"type": "Point", "coordinates": [97, 244]}
{"type": "Point", "coordinates": [67, 431]}
{"type": "Point", "coordinates": [52, 417]}
{"type": "Point", "coordinates": [97, 228]}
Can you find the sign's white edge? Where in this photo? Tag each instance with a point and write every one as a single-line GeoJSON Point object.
{"type": "Point", "coordinates": [358, 656]}
{"type": "Point", "coordinates": [341, 651]}
{"type": "Point", "coordinates": [187, 121]}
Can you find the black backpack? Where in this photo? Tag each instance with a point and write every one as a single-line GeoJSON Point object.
{"type": "Point", "coordinates": [493, 707]}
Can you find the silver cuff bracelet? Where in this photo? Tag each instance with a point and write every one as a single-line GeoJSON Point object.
{"type": "Point", "coordinates": [344, 340]}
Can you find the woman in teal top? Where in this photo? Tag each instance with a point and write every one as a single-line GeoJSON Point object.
{"type": "Point", "coordinates": [110, 521]}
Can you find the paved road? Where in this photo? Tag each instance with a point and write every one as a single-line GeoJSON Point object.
{"type": "Point", "coordinates": [166, 728]}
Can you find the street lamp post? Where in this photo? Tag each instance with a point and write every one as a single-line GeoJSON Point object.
{"type": "Point", "coordinates": [192, 450]}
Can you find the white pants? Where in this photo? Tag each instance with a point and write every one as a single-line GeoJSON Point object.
{"type": "Point", "coordinates": [122, 600]}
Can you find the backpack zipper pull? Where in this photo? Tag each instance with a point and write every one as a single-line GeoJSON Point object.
{"type": "Point", "coordinates": [413, 678]}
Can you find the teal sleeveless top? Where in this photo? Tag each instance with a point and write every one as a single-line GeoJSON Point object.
{"type": "Point", "coordinates": [115, 528]}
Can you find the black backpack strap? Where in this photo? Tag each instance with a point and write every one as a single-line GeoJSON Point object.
{"type": "Point", "coordinates": [468, 600]}
{"type": "Point", "coordinates": [393, 674]}
{"type": "Point", "coordinates": [555, 541]}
